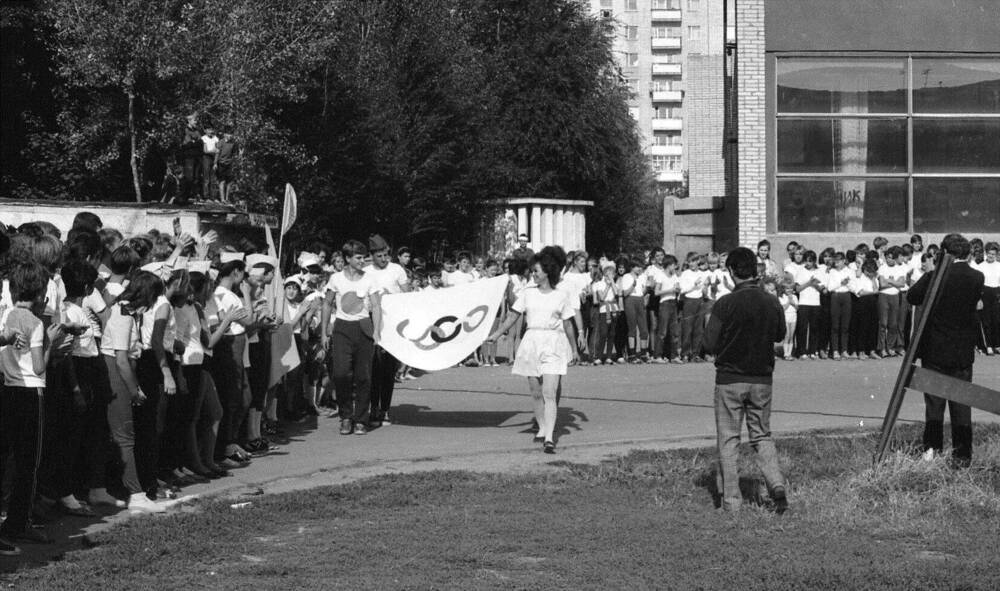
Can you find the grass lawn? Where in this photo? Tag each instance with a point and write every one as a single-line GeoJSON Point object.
{"type": "Point", "coordinates": [645, 521]}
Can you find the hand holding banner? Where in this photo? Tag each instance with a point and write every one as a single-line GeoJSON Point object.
{"type": "Point", "coordinates": [436, 329]}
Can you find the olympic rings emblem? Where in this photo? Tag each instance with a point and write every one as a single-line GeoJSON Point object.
{"type": "Point", "coordinates": [440, 335]}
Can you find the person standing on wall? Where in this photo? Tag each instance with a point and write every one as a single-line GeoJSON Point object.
{"type": "Point", "coordinates": [741, 334]}
{"type": "Point", "coordinates": [387, 277]}
{"type": "Point", "coordinates": [948, 346]}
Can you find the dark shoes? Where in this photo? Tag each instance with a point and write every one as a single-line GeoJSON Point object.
{"type": "Point", "coordinates": [360, 429]}
{"type": "Point", "coordinates": [8, 549]}
{"type": "Point", "coordinates": [780, 500]}
{"type": "Point", "coordinates": [549, 447]}
{"type": "Point", "coordinates": [28, 536]}
{"type": "Point", "coordinates": [258, 446]}
{"type": "Point", "coordinates": [346, 427]}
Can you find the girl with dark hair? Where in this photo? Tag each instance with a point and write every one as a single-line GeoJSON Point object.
{"type": "Point", "coordinates": [545, 350]}
{"type": "Point", "coordinates": [133, 403]}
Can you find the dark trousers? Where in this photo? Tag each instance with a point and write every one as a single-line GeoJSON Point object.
{"type": "Point", "coordinates": [864, 323]}
{"type": "Point", "coordinates": [191, 167]}
{"type": "Point", "coordinates": [384, 367]}
{"type": "Point", "coordinates": [961, 418]}
{"type": "Point", "coordinates": [352, 352]}
{"type": "Point", "coordinates": [606, 329]}
{"type": "Point", "coordinates": [668, 325]}
{"type": "Point", "coordinates": [207, 175]}
{"type": "Point", "coordinates": [840, 321]}
{"type": "Point", "coordinates": [21, 429]}
{"type": "Point", "coordinates": [888, 322]}
{"type": "Point", "coordinates": [825, 323]}
{"type": "Point", "coordinates": [807, 330]}
{"type": "Point", "coordinates": [693, 326]}
{"type": "Point", "coordinates": [145, 419]}
{"type": "Point", "coordinates": [990, 317]}
{"type": "Point", "coordinates": [257, 372]}
{"type": "Point", "coordinates": [180, 418]}
{"type": "Point", "coordinates": [228, 374]}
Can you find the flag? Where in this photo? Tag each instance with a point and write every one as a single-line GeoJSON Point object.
{"type": "Point", "coordinates": [436, 329]}
{"type": "Point", "coordinates": [284, 352]}
{"type": "Point", "coordinates": [290, 210]}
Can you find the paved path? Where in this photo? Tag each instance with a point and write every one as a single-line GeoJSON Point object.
{"type": "Point", "coordinates": [478, 418]}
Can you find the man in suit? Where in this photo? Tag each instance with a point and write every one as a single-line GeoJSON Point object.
{"type": "Point", "coordinates": [948, 346]}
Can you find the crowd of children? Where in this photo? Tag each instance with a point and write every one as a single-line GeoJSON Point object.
{"type": "Point", "coordinates": [134, 366]}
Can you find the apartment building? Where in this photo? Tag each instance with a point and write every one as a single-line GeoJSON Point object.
{"type": "Point", "coordinates": [671, 53]}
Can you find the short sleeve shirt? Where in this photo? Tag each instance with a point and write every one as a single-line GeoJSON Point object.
{"type": "Point", "coordinates": [810, 295]}
{"type": "Point", "coordinates": [353, 298]}
{"type": "Point", "coordinates": [225, 302]}
{"type": "Point", "coordinates": [149, 319]}
{"type": "Point", "coordinates": [460, 278]}
{"type": "Point", "coordinates": [189, 333]}
{"type": "Point", "coordinates": [93, 305]}
{"type": "Point", "coordinates": [84, 345]}
{"type": "Point", "coordinates": [121, 333]}
{"type": "Point", "coordinates": [544, 311]}
{"type": "Point", "coordinates": [18, 369]}
{"type": "Point", "coordinates": [627, 285]}
{"type": "Point", "coordinates": [391, 279]}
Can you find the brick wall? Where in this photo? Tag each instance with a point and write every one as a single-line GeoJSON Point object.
{"type": "Point", "coordinates": [752, 184]}
{"type": "Point", "coordinates": [704, 106]}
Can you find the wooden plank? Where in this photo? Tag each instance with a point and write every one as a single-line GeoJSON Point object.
{"type": "Point", "coordinates": [974, 395]}
{"type": "Point", "coordinates": [907, 367]}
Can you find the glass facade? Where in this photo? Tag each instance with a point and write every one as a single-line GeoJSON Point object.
{"type": "Point", "coordinates": [887, 144]}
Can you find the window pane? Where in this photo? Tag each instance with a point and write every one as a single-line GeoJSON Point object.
{"type": "Point", "coordinates": [956, 86]}
{"type": "Point", "coordinates": [842, 205]}
{"type": "Point", "coordinates": [853, 146]}
{"type": "Point", "coordinates": [956, 145]}
{"type": "Point", "coordinates": [956, 205]}
{"type": "Point", "coordinates": [841, 86]}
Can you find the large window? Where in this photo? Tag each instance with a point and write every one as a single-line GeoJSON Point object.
{"type": "Point", "coordinates": [888, 144]}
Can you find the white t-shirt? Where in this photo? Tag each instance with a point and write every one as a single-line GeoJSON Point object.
{"type": "Point", "coordinates": [121, 333]}
{"type": "Point", "coordinates": [810, 295]}
{"type": "Point", "coordinates": [149, 318]}
{"type": "Point", "coordinates": [56, 293]}
{"type": "Point", "coordinates": [93, 305]}
{"type": "Point", "coordinates": [864, 283]}
{"type": "Point", "coordinates": [991, 273]}
{"type": "Point", "coordinates": [629, 286]}
{"type": "Point", "coordinates": [391, 279]}
{"type": "Point", "coordinates": [544, 311]}
{"type": "Point", "coordinates": [668, 283]}
{"type": "Point", "coordinates": [835, 280]}
{"type": "Point", "coordinates": [894, 272]}
{"type": "Point", "coordinates": [788, 305]}
{"type": "Point", "coordinates": [575, 284]}
{"type": "Point", "coordinates": [458, 277]}
{"type": "Point", "coordinates": [692, 284]}
{"type": "Point", "coordinates": [291, 311]}
{"type": "Point", "coordinates": [225, 302]}
{"type": "Point", "coordinates": [607, 300]}
{"type": "Point", "coordinates": [16, 363]}
{"type": "Point", "coordinates": [353, 297]}
{"type": "Point", "coordinates": [722, 281]}
{"type": "Point", "coordinates": [211, 144]}
{"type": "Point", "coordinates": [115, 289]}
{"type": "Point", "coordinates": [84, 345]}
{"type": "Point", "coordinates": [189, 333]}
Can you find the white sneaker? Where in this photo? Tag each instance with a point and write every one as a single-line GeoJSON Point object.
{"type": "Point", "coordinates": [100, 496]}
{"type": "Point", "coordinates": [141, 503]}
{"type": "Point", "coordinates": [928, 455]}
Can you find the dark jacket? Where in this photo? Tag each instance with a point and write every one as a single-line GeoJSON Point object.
{"type": "Point", "coordinates": [741, 333]}
{"type": "Point", "coordinates": [949, 339]}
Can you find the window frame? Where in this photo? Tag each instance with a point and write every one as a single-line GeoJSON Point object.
{"type": "Point", "coordinates": [774, 116]}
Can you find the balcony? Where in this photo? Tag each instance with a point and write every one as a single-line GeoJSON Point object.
{"type": "Point", "coordinates": [667, 43]}
{"type": "Point", "coordinates": [667, 96]}
{"type": "Point", "coordinates": [670, 177]}
{"type": "Point", "coordinates": [666, 69]}
{"type": "Point", "coordinates": [666, 15]}
{"type": "Point", "coordinates": [656, 150]}
{"type": "Point", "coordinates": [668, 124]}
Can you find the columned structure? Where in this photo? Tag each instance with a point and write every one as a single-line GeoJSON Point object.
{"type": "Point", "coordinates": [552, 221]}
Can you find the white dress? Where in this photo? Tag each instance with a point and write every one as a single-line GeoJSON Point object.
{"type": "Point", "coordinates": [545, 348]}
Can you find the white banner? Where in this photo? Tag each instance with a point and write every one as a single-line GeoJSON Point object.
{"type": "Point", "coordinates": [436, 329]}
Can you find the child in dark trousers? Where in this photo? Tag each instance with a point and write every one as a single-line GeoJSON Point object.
{"type": "Point", "coordinates": [27, 349]}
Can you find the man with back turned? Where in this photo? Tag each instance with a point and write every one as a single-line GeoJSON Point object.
{"type": "Point", "coordinates": [741, 333]}
{"type": "Point", "coordinates": [948, 346]}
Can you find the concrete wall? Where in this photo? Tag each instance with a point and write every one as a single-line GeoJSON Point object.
{"type": "Point", "coordinates": [127, 219]}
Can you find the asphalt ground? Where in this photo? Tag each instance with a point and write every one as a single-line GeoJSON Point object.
{"type": "Point", "coordinates": [479, 419]}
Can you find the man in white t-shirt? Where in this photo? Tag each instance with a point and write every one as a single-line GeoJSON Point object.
{"type": "Point", "coordinates": [387, 277]}
{"type": "Point", "coordinates": [464, 274]}
{"type": "Point", "coordinates": [353, 336]}
{"type": "Point", "coordinates": [210, 146]}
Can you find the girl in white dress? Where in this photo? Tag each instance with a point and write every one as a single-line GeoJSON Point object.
{"type": "Point", "coordinates": [546, 349]}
